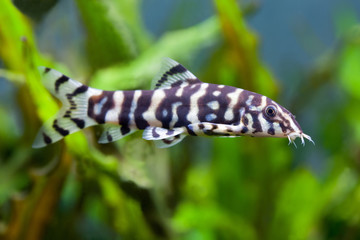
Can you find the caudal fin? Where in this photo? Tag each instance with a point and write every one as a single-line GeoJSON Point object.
{"type": "Point", "coordinates": [72, 116]}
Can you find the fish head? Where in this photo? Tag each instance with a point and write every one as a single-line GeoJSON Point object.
{"type": "Point", "coordinates": [280, 122]}
{"type": "Point", "coordinates": [263, 117]}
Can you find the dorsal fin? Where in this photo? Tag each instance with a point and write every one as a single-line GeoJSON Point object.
{"type": "Point", "coordinates": [173, 74]}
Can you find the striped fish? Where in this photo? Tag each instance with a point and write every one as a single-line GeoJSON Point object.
{"type": "Point", "coordinates": [180, 105]}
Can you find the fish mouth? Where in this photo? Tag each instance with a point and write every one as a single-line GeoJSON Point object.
{"type": "Point", "coordinates": [292, 136]}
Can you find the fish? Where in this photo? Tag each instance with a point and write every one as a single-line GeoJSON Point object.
{"type": "Point", "coordinates": [179, 105]}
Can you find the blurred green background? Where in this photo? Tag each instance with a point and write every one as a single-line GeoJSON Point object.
{"type": "Point", "coordinates": [303, 54]}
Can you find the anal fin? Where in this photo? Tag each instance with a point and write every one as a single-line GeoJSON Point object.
{"type": "Point", "coordinates": [112, 133]}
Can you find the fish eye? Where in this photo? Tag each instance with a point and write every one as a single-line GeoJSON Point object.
{"type": "Point", "coordinates": [270, 111]}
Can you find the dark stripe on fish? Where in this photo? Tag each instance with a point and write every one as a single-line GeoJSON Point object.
{"type": "Point", "coordinates": [271, 131]}
{"type": "Point", "coordinates": [183, 110]}
{"type": "Point", "coordinates": [79, 122]}
{"type": "Point", "coordinates": [154, 133]}
{"type": "Point", "coordinates": [244, 130]}
{"type": "Point", "coordinates": [256, 123]}
{"type": "Point", "coordinates": [166, 106]}
{"type": "Point", "coordinates": [47, 139]}
{"type": "Point", "coordinates": [142, 106]}
{"type": "Point", "coordinates": [124, 117]}
{"type": "Point", "coordinates": [176, 69]}
{"type": "Point", "coordinates": [109, 104]}
{"type": "Point", "coordinates": [80, 90]}
{"type": "Point", "coordinates": [61, 80]}
{"type": "Point", "coordinates": [105, 107]}
{"type": "Point", "coordinates": [124, 130]}
{"type": "Point", "coordinates": [190, 131]}
{"type": "Point", "coordinates": [60, 130]}
{"type": "Point", "coordinates": [109, 137]}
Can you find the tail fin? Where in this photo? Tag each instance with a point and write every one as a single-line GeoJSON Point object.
{"type": "Point", "coordinates": [73, 114]}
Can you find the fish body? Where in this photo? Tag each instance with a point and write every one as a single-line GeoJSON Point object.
{"type": "Point", "coordinates": [180, 105]}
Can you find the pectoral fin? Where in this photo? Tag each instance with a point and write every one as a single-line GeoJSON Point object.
{"type": "Point", "coordinates": [158, 133]}
{"type": "Point", "coordinates": [169, 142]}
{"type": "Point", "coordinates": [215, 129]}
